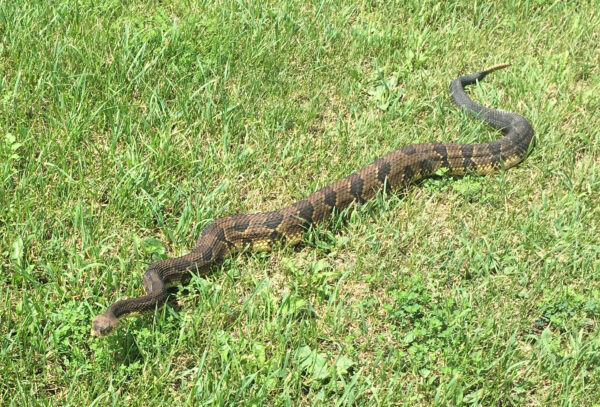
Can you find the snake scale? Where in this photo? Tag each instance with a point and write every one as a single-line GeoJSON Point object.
{"type": "Point", "coordinates": [260, 230]}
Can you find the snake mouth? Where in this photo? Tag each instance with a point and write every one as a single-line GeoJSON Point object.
{"type": "Point", "coordinates": [103, 325]}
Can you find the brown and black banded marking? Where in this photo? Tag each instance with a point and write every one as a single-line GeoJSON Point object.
{"type": "Point", "coordinates": [356, 188]}
{"type": "Point", "coordinates": [466, 151]}
{"type": "Point", "coordinates": [409, 173]}
{"type": "Point", "coordinates": [426, 166]}
{"type": "Point", "coordinates": [241, 225]}
{"type": "Point", "coordinates": [400, 167]}
{"type": "Point", "coordinates": [207, 253]}
{"type": "Point", "coordinates": [275, 235]}
{"type": "Point", "coordinates": [384, 168]}
{"type": "Point", "coordinates": [221, 235]}
{"type": "Point", "coordinates": [273, 220]}
{"type": "Point", "coordinates": [441, 150]}
{"type": "Point", "coordinates": [410, 149]}
{"type": "Point", "coordinates": [505, 150]}
{"type": "Point", "coordinates": [330, 196]}
{"type": "Point", "coordinates": [495, 153]}
{"type": "Point", "coordinates": [305, 210]}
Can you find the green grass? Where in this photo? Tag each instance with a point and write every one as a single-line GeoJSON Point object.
{"type": "Point", "coordinates": [128, 126]}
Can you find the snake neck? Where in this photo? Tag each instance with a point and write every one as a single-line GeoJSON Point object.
{"type": "Point", "coordinates": [157, 279]}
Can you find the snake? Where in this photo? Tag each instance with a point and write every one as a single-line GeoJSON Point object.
{"type": "Point", "coordinates": [259, 231]}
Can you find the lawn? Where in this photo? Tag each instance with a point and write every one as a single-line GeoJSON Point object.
{"type": "Point", "coordinates": [128, 126]}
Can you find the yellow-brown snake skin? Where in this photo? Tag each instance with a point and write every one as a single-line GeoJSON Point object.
{"type": "Point", "coordinates": [400, 167]}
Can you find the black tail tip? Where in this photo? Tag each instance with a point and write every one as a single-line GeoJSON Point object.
{"type": "Point", "coordinates": [474, 77]}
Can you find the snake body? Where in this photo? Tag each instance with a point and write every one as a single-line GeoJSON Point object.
{"type": "Point", "coordinates": [260, 230]}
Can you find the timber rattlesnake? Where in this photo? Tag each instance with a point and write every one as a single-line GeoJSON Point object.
{"type": "Point", "coordinates": [400, 167]}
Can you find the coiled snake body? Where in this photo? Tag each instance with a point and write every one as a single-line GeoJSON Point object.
{"type": "Point", "coordinates": [400, 167]}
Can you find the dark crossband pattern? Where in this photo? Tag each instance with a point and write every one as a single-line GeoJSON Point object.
{"type": "Point", "coordinates": [259, 231]}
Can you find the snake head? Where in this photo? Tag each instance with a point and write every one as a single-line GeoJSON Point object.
{"type": "Point", "coordinates": [103, 325]}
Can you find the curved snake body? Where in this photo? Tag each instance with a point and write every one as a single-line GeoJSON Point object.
{"type": "Point", "coordinates": [400, 167]}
